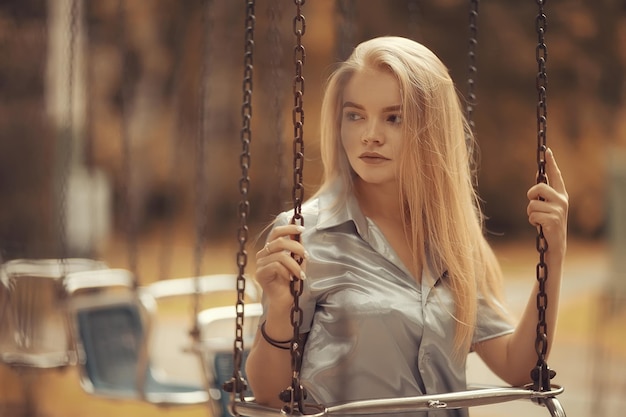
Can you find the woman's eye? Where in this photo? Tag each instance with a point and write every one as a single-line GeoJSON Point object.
{"type": "Point", "coordinates": [352, 116]}
{"type": "Point", "coordinates": [394, 118]}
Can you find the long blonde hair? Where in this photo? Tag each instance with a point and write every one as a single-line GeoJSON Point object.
{"type": "Point", "coordinates": [442, 210]}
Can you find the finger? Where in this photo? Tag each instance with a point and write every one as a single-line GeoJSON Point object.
{"type": "Point", "coordinates": [271, 272]}
{"type": "Point", "coordinates": [549, 222]}
{"type": "Point", "coordinates": [554, 173]}
{"type": "Point", "coordinates": [542, 191]}
{"type": "Point", "coordinates": [551, 217]}
{"type": "Point", "coordinates": [293, 266]}
{"type": "Point", "coordinates": [288, 230]}
{"type": "Point", "coordinates": [282, 238]}
{"type": "Point", "coordinates": [542, 206]}
{"type": "Point", "coordinates": [288, 267]}
{"type": "Point", "coordinates": [282, 255]}
{"type": "Point", "coordinates": [544, 198]}
{"type": "Point", "coordinates": [288, 245]}
{"type": "Point", "coordinates": [282, 245]}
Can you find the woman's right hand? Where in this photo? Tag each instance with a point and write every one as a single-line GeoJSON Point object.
{"type": "Point", "coordinates": [275, 266]}
{"type": "Point", "coordinates": [268, 368]}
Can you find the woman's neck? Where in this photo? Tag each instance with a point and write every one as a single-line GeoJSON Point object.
{"type": "Point", "coordinates": [381, 204]}
{"type": "Point", "coordinates": [378, 200]}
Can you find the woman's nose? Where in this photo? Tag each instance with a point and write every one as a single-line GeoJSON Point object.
{"type": "Point", "coordinates": [373, 133]}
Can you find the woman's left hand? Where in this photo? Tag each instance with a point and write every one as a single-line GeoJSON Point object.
{"type": "Point", "coordinates": [548, 207]}
{"type": "Point", "coordinates": [512, 355]}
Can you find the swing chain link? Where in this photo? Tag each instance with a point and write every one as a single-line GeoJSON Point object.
{"type": "Point", "coordinates": [201, 181]}
{"type": "Point", "coordinates": [472, 71]}
{"type": "Point", "coordinates": [277, 76]}
{"type": "Point", "coordinates": [541, 374]}
{"type": "Point", "coordinates": [472, 68]}
{"type": "Point", "coordinates": [413, 15]}
{"type": "Point", "coordinates": [68, 135]}
{"type": "Point", "coordinates": [345, 28]}
{"type": "Point", "coordinates": [296, 393]}
{"type": "Point", "coordinates": [237, 384]}
{"type": "Point", "coordinates": [128, 185]}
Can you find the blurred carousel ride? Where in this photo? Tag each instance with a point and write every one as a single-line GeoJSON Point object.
{"type": "Point", "coordinates": [58, 313]}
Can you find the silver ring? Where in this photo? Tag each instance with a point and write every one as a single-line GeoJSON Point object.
{"type": "Point", "coordinates": [267, 248]}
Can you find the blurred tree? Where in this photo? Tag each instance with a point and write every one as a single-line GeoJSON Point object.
{"type": "Point", "coordinates": [163, 38]}
{"type": "Point", "coordinates": [26, 139]}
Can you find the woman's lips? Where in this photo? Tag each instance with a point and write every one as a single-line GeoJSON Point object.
{"type": "Point", "coordinates": [372, 158]}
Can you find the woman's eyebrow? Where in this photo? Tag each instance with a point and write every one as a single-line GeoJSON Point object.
{"type": "Point", "coordinates": [387, 109]}
{"type": "Point", "coordinates": [351, 104]}
{"type": "Point", "coordinates": [394, 108]}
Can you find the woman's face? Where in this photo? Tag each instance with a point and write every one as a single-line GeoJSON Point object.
{"type": "Point", "coordinates": [371, 125]}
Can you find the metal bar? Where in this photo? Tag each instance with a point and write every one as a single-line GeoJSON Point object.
{"type": "Point", "coordinates": [452, 400]}
{"type": "Point", "coordinates": [552, 404]}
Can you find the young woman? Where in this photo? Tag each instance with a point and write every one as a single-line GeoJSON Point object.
{"type": "Point", "coordinates": [399, 281]}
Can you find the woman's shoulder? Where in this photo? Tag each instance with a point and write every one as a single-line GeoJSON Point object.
{"type": "Point", "coordinates": [309, 210]}
{"type": "Point", "coordinates": [325, 205]}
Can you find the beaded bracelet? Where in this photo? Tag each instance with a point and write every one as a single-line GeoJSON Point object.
{"type": "Point", "coordinates": [275, 343]}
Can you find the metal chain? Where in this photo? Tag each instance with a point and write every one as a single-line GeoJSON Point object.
{"type": "Point", "coordinates": [237, 384]}
{"type": "Point", "coordinates": [277, 101]}
{"type": "Point", "coordinates": [127, 163]}
{"type": "Point", "coordinates": [201, 203]}
{"type": "Point", "coordinates": [89, 131]}
{"type": "Point", "coordinates": [68, 135]}
{"type": "Point", "coordinates": [472, 68]}
{"type": "Point", "coordinates": [413, 12]}
{"type": "Point", "coordinates": [177, 132]}
{"type": "Point", "coordinates": [296, 392]}
{"type": "Point", "coordinates": [345, 28]}
{"type": "Point", "coordinates": [471, 87]}
{"type": "Point", "coordinates": [541, 374]}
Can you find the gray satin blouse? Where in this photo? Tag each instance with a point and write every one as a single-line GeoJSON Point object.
{"type": "Point", "coordinates": [374, 332]}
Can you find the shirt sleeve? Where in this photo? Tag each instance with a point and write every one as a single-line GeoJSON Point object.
{"type": "Point", "coordinates": [492, 321]}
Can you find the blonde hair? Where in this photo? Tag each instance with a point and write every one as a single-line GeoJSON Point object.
{"type": "Point", "coordinates": [442, 210]}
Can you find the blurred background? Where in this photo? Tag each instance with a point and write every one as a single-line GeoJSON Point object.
{"type": "Point", "coordinates": [120, 140]}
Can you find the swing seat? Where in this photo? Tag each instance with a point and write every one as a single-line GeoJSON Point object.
{"type": "Point", "coordinates": [205, 284]}
{"type": "Point", "coordinates": [214, 284]}
{"type": "Point", "coordinates": [111, 323]}
{"type": "Point", "coordinates": [33, 326]}
{"type": "Point", "coordinates": [216, 329]}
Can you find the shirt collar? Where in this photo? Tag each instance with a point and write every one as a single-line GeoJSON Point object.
{"type": "Point", "coordinates": [338, 205]}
